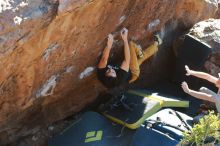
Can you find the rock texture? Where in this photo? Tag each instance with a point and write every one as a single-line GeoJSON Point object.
{"type": "Point", "coordinates": [209, 32]}
{"type": "Point", "coordinates": [49, 50]}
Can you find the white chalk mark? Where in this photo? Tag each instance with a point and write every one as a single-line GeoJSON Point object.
{"type": "Point", "coordinates": [69, 69]}
{"type": "Point", "coordinates": [49, 50]}
{"type": "Point", "coordinates": [87, 72]}
{"type": "Point", "coordinates": [48, 88]}
{"type": "Point", "coordinates": [11, 5]}
{"type": "Point", "coordinates": [153, 24]}
{"type": "Point", "coordinates": [17, 20]}
{"type": "Point", "coordinates": [122, 19]}
{"type": "Point", "coordinates": [23, 4]}
{"type": "Point", "coordinates": [5, 5]}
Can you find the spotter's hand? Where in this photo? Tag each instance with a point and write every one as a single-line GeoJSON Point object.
{"type": "Point", "coordinates": [185, 87]}
{"type": "Point", "coordinates": [188, 71]}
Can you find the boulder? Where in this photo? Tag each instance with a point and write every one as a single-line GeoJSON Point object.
{"type": "Point", "coordinates": [208, 32]}
{"type": "Point", "coordinates": [49, 50]}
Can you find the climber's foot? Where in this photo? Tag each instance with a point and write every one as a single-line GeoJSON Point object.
{"type": "Point", "coordinates": [158, 39]}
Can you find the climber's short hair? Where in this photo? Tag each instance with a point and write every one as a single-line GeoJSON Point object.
{"type": "Point", "coordinates": [110, 82]}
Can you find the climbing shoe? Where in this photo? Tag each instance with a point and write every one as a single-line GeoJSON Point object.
{"type": "Point", "coordinates": [158, 39]}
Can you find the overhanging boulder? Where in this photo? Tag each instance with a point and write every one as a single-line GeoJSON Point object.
{"type": "Point", "coordinates": [49, 50]}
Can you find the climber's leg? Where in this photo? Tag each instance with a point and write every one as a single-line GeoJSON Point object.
{"type": "Point", "coordinates": [134, 66]}
{"type": "Point", "coordinates": [147, 53]}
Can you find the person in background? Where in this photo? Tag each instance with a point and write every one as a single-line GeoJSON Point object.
{"type": "Point", "coordinates": [204, 93]}
{"type": "Point", "coordinates": [128, 71]}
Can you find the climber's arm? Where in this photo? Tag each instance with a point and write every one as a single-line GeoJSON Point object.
{"type": "Point", "coordinates": [201, 75]}
{"type": "Point", "coordinates": [126, 62]}
{"type": "Point", "coordinates": [207, 91]}
{"type": "Point", "coordinates": [196, 94]}
{"type": "Point", "coordinates": [105, 55]}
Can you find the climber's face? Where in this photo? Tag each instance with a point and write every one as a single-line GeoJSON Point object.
{"type": "Point", "coordinates": [110, 73]}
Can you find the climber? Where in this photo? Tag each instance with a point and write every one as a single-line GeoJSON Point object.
{"type": "Point", "coordinates": [113, 75]}
{"type": "Point", "coordinates": [204, 93]}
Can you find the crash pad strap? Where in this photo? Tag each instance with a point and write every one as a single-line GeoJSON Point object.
{"type": "Point", "coordinates": [164, 101]}
{"type": "Point", "coordinates": [152, 97]}
{"type": "Point", "coordinates": [151, 103]}
{"type": "Point", "coordinates": [137, 123]}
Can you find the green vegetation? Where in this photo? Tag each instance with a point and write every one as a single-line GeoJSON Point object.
{"type": "Point", "coordinates": [207, 128]}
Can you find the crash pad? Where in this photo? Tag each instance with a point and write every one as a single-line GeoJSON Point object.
{"type": "Point", "coordinates": [133, 107]}
{"type": "Point", "coordinates": [92, 129]}
{"type": "Point", "coordinates": [165, 128]}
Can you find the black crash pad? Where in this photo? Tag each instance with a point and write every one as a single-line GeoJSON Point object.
{"type": "Point", "coordinates": [92, 129]}
{"type": "Point", "coordinates": [165, 128]}
{"type": "Point", "coordinates": [151, 137]}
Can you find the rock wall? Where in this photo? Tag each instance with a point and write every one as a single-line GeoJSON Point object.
{"type": "Point", "coordinates": [49, 50]}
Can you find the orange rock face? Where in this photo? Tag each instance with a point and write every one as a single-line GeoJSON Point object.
{"type": "Point", "coordinates": [49, 50]}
